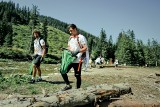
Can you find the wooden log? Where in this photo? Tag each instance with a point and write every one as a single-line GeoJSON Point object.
{"type": "Point", "coordinates": [71, 98]}
{"type": "Point", "coordinates": [80, 97]}
{"type": "Point", "coordinates": [157, 74]}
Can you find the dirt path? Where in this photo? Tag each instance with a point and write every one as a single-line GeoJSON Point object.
{"type": "Point", "coordinates": [144, 82]}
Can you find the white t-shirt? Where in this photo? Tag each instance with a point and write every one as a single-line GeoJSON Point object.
{"type": "Point", "coordinates": [74, 46]}
{"type": "Point", "coordinates": [116, 61]}
{"type": "Point", "coordinates": [37, 47]}
{"type": "Point", "coordinates": [98, 60]}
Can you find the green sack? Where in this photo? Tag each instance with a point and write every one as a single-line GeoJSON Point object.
{"type": "Point", "coordinates": [67, 59]}
{"type": "Point", "coordinates": [30, 68]}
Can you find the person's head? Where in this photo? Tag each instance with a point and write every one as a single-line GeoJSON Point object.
{"type": "Point", "coordinates": [73, 29]}
{"type": "Point", "coordinates": [36, 33]}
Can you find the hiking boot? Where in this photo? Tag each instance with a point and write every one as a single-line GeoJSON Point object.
{"type": "Point", "coordinates": [67, 87]}
{"type": "Point", "coordinates": [32, 81]}
{"type": "Point", "coordinates": [39, 79]}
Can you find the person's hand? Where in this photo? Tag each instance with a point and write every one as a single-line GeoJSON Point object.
{"type": "Point", "coordinates": [41, 59]}
{"type": "Point", "coordinates": [74, 53]}
{"type": "Point", "coordinates": [43, 55]}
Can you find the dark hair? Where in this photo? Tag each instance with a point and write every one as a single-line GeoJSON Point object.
{"type": "Point", "coordinates": [73, 26]}
{"type": "Point", "coordinates": [36, 31]}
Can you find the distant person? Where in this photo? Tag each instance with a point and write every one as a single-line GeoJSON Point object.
{"type": "Point", "coordinates": [98, 61]}
{"type": "Point", "coordinates": [116, 63]}
{"type": "Point", "coordinates": [39, 53]}
{"type": "Point", "coordinates": [102, 60]}
{"type": "Point", "coordinates": [77, 46]}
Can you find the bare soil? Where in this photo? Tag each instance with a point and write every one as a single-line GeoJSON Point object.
{"type": "Point", "coordinates": [144, 82]}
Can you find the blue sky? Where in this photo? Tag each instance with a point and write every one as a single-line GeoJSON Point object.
{"type": "Point", "coordinates": [114, 16]}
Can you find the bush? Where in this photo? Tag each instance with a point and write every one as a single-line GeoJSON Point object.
{"type": "Point", "coordinates": [20, 55]}
{"type": "Point", "coordinates": [15, 54]}
{"type": "Point", "coordinates": [51, 59]}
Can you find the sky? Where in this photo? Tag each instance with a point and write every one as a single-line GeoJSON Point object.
{"type": "Point", "coordinates": [113, 16]}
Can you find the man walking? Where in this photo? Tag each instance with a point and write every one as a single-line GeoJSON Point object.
{"type": "Point", "coordinates": [77, 46]}
{"type": "Point", "coordinates": [39, 53]}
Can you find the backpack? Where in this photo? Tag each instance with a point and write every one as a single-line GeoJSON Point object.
{"type": "Point", "coordinates": [84, 53]}
{"type": "Point", "coordinates": [45, 45]}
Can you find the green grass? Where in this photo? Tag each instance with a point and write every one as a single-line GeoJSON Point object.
{"type": "Point", "coordinates": [14, 78]}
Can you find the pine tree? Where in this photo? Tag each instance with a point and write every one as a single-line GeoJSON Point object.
{"type": "Point", "coordinates": [140, 56]}
{"type": "Point", "coordinates": [102, 43]}
{"type": "Point", "coordinates": [110, 50]}
{"type": "Point", "coordinates": [148, 54]}
{"type": "Point", "coordinates": [90, 44]}
{"type": "Point", "coordinates": [33, 22]}
{"type": "Point", "coordinates": [44, 30]}
{"type": "Point", "coordinates": [124, 50]}
{"type": "Point", "coordinates": [155, 53]}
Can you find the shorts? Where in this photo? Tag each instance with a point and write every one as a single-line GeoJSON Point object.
{"type": "Point", "coordinates": [37, 60]}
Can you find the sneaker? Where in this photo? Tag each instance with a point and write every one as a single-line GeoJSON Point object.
{"type": "Point", "coordinates": [67, 87]}
{"type": "Point", "coordinates": [39, 79]}
{"type": "Point", "coordinates": [32, 81]}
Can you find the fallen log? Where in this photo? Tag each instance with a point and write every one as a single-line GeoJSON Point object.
{"type": "Point", "coordinates": [157, 74]}
{"type": "Point", "coordinates": [81, 97]}
{"type": "Point", "coordinates": [92, 96]}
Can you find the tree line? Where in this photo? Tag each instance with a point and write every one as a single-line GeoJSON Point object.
{"type": "Point", "coordinates": [127, 49]}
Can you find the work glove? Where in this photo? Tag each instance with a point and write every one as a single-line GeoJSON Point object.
{"type": "Point", "coordinates": [74, 53]}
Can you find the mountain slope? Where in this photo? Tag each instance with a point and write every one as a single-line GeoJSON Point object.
{"type": "Point", "coordinates": [22, 38]}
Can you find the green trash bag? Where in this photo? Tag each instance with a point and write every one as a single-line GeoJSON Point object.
{"type": "Point", "coordinates": [67, 59]}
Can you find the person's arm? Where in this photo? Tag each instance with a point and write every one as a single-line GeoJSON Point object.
{"type": "Point", "coordinates": [44, 51]}
{"type": "Point", "coordinates": [83, 49]}
{"type": "Point", "coordinates": [83, 43]}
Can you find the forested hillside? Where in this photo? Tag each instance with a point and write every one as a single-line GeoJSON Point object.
{"type": "Point", "coordinates": [17, 24]}
{"type": "Point", "coordinates": [16, 39]}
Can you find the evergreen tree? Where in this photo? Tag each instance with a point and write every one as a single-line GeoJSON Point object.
{"type": "Point", "coordinates": [44, 30]}
{"type": "Point", "coordinates": [110, 49]}
{"type": "Point", "coordinates": [124, 52]}
{"type": "Point", "coordinates": [33, 22]}
{"type": "Point", "coordinates": [148, 53]}
{"type": "Point", "coordinates": [8, 40]}
{"type": "Point", "coordinates": [132, 44]}
{"type": "Point", "coordinates": [102, 44]}
{"type": "Point", "coordinates": [5, 17]}
{"type": "Point", "coordinates": [90, 44]}
{"type": "Point", "coordinates": [140, 56]}
{"type": "Point", "coordinates": [155, 53]}
{"type": "Point", "coordinates": [34, 17]}
{"type": "Point", "coordinates": [3, 32]}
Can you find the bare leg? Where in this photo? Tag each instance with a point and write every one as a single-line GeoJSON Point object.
{"type": "Point", "coordinates": [39, 71]}
{"type": "Point", "coordinates": [34, 71]}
